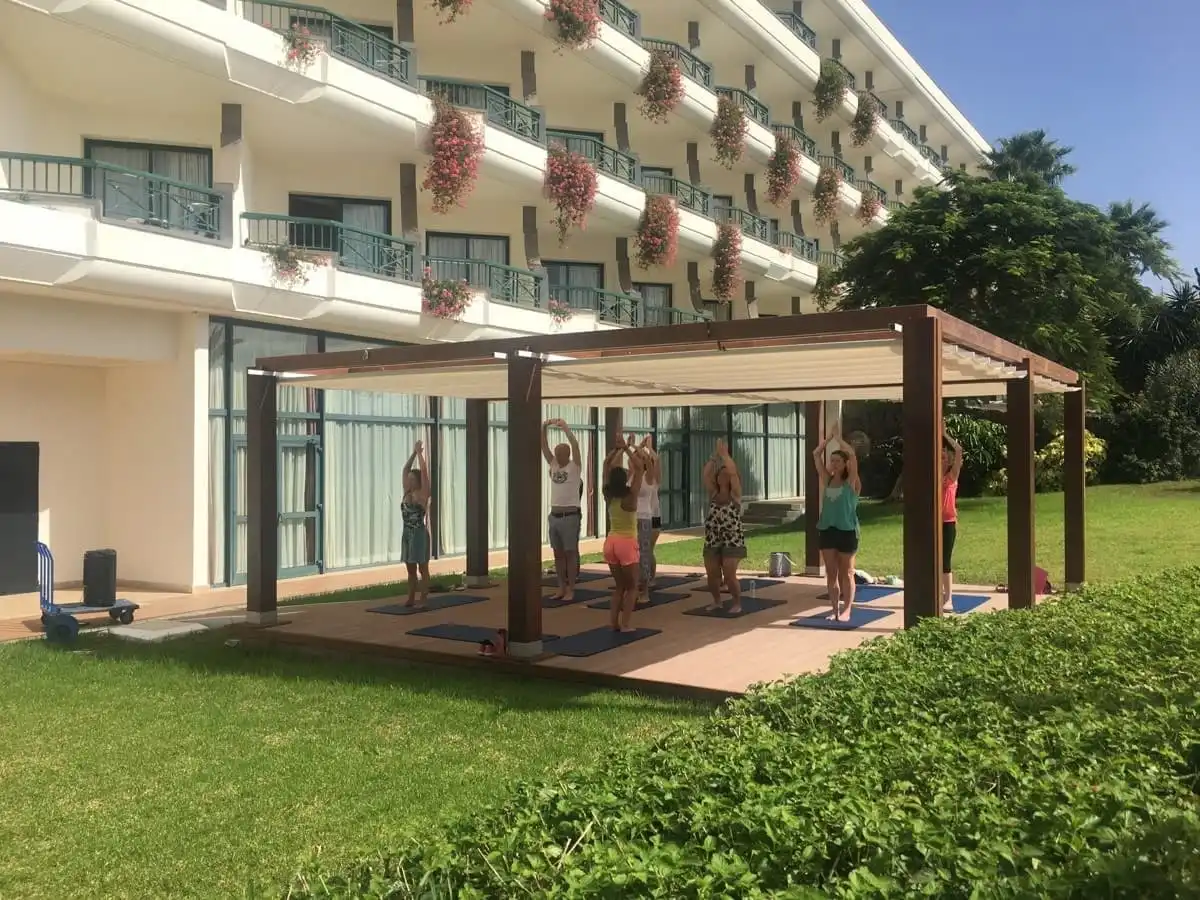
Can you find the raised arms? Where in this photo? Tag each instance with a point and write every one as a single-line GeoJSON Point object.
{"type": "Point", "coordinates": [637, 471]}
{"type": "Point", "coordinates": [576, 456]}
{"type": "Point", "coordinates": [819, 461]}
{"type": "Point", "coordinates": [424, 491]}
{"type": "Point", "coordinates": [957, 464]}
{"type": "Point", "coordinates": [546, 454]}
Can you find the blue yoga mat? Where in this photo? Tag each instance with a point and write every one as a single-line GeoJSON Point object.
{"type": "Point", "coordinates": [865, 593]}
{"type": "Point", "coordinates": [470, 634]}
{"type": "Point", "coordinates": [858, 618]}
{"type": "Point", "coordinates": [551, 581]}
{"type": "Point", "coordinates": [438, 601]}
{"type": "Point", "coordinates": [964, 603]}
{"type": "Point", "coordinates": [589, 643]}
{"type": "Point", "coordinates": [657, 598]}
{"type": "Point", "coordinates": [582, 595]}
{"type": "Point", "coordinates": [750, 605]}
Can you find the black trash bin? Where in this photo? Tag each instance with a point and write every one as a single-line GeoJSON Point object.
{"type": "Point", "coordinates": [100, 577]}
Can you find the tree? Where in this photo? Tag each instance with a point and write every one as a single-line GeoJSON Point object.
{"type": "Point", "coordinates": [1017, 258]}
{"type": "Point", "coordinates": [1163, 327]}
{"type": "Point", "coordinates": [1139, 237]}
{"type": "Point", "coordinates": [1030, 156]}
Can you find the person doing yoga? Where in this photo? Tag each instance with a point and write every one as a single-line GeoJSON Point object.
{"type": "Point", "coordinates": [566, 517]}
{"type": "Point", "coordinates": [648, 521]}
{"type": "Point", "coordinates": [724, 534]}
{"type": "Point", "coordinates": [414, 541]}
{"type": "Point", "coordinates": [952, 464]}
{"type": "Point", "coordinates": [838, 525]}
{"type": "Point", "coordinates": [621, 487]}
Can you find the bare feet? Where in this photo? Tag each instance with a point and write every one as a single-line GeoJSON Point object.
{"type": "Point", "coordinates": [628, 629]}
{"type": "Point", "coordinates": [735, 610]}
{"type": "Point", "coordinates": [847, 610]}
{"type": "Point", "coordinates": [714, 607]}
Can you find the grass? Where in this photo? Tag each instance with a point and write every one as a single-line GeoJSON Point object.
{"type": "Point", "coordinates": [190, 768]}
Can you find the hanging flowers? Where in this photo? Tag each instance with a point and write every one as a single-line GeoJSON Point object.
{"type": "Point", "coordinates": [559, 312]}
{"type": "Point", "coordinates": [290, 266]}
{"type": "Point", "coordinates": [728, 132]}
{"type": "Point", "coordinates": [783, 170]}
{"type": "Point", "coordinates": [578, 21]}
{"type": "Point", "coordinates": [449, 10]}
{"type": "Point", "coordinates": [661, 89]}
{"type": "Point", "coordinates": [456, 148]}
{"type": "Point", "coordinates": [869, 206]}
{"type": "Point", "coordinates": [830, 89]}
{"type": "Point", "coordinates": [657, 237]}
{"type": "Point", "coordinates": [571, 186]}
{"type": "Point", "coordinates": [300, 48]}
{"type": "Point", "coordinates": [866, 120]}
{"type": "Point", "coordinates": [444, 298]}
{"type": "Point", "coordinates": [727, 261]}
{"type": "Point", "coordinates": [826, 194]}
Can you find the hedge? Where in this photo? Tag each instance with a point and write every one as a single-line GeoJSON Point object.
{"type": "Point", "coordinates": [1044, 753]}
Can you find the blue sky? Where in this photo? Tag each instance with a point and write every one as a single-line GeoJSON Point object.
{"type": "Point", "coordinates": [1116, 81]}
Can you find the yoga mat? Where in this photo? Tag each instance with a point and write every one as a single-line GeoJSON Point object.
{"type": "Point", "coordinates": [749, 606]}
{"type": "Point", "coordinates": [581, 595]}
{"type": "Point", "coordinates": [438, 601]}
{"type": "Point", "coordinates": [657, 598]}
{"type": "Point", "coordinates": [865, 593]}
{"type": "Point", "coordinates": [666, 582]}
{"type": "Point", "coordinates": [759, 584]}
{"type": "Point", "coordinates": [551, 581]}
{"type": "Point", "coordinates": [589, 643]}
{"type": "Point", "coordinates": [964, 603]}
{"type": "Point", "coordinates": [471, 634]}
{"type": "Point", "coordinates": [858, 618]}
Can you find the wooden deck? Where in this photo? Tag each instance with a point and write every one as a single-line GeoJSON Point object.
{"type": "Point", "coordinates": [694, 654]}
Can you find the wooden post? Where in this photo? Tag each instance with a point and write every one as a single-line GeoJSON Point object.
{"type": "Point", "coordinates": [1075, 487]}
{"type": "Point", "coordinates": [478, 466]}
{"type": "Point", "coordinates": [814, 431]}
{"type": "Point", "coordinates": [262, 499]}
{"type": "Point", "coordinates": [922, 395]}
{"type": "Point", "coordinates": [613, 432]}
{"type": "Point", "coordinates": [524, 505]}
{"type": "Point", "coordinates": [1021, 541]}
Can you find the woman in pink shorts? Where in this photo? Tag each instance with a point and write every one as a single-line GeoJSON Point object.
{"type": "Point", "coordinates": [621, 488]}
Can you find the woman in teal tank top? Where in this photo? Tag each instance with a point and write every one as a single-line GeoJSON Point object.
{"type": "Point", "coordinates": [838, 525]}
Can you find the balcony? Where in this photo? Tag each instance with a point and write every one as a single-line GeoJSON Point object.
{"type": "Point", "coordinates": [754, 109]}
{"type": "Point", "coordinates": [504, 284]}
{"type": "Point", "coordinates": [747, 222]}
{"type": "Point", "coordinates": [346, 40]}
{"type": "Point", "coordinates": [906, 131]}
{"type": "Point", "coordinates": [689, 64]}
{"type": "Point", "coordinates": [671, 315]}
{"type": "Point", "coordinates": [803, 142]}
{"type": "Point", "coordinates": [798, 246]}
{"type": "Point", "coordinates": [838, 165]}
{"type": "Point", "coordinates": [830, 259]}
{"type": "Point", "coordinates": [613, 307]}
{"type": "Point", "coordinates": [932, 156]}
{"type": "Point", "coordinates": [853, 82]}
{"type": "Point", "coordinates": [620, 17]}
{"type": "Point", "coordinates": [867, 187]}
{"type": "Point", "coordinates": [871, 97]}
{"type": "Point", "coordinates": [606, 159]}
{"type": "Point", "coordinates": [355, 249]}
{"type": "Point", "coordinates": [124, 195]}
{"type": "Point", "coordinates": [500, 110]}
{"type": "Point", "coordinates": [895, 205]}
{"type": "Point", "coordinates": [687, 195]}
{"type": "Point", "coordinates": [797, 26]}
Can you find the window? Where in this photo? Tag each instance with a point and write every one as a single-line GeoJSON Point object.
{"type": "Point", "coordinates": [136, 198]}
{"type": "Point", "coordinates": [464, 257]}
{"type": "Point", "coordinates": [718, 309]}
{"type": "Point", "coordinates": [656, 302]}
{"type": "Point", "coordinates": [364, 244]}
{"type": "Point", "coordinates": [574, 283]}
{"type": "Point", "coordinates": [658, 170]}
{"type": "Point", "coordinates": [576, 132]}
{"type": "Point", "coordinates": [721, 204]}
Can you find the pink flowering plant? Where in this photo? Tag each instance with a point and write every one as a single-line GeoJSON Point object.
{"type": "Point", "coordinates": [449, 10]}
{"type": "Point", "coordinates": [657, 238]}
{"type": "Point", "coordinates": [728, 132]}
{"type": "Point", "coordinates": [866, 119]}
{"type": "Point", "coordinates": [825, 195]}
{"type": "Point", "coordinates": [661, 89]}
{"type": "Point", "coordinates": [869, 206]}
{"type": "Point", "coordinates": [727, 261]}
{"type": "Point", "coordinates": [290, 266]}
{"type": "Point", "coordinates": [444, 298]}
{"type": "Point", "coordinates": [300, 48]}
{"type": "Point", "coordinates": [571, 183]}
{"type": "Point", "coordinates": [783, 171]}
{"type": "Point", "coordinates": [559, 311]}
{"type": "Point", "coordinates": [578, 21]}
{"type": "Point", "coordinates": [455, 151]}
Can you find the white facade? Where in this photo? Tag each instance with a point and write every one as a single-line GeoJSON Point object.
{"type": "Point", "coordinates": [150, 150]}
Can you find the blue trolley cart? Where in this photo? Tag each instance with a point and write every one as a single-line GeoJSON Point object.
{"type": "Point", "coordinates": [58, 619]}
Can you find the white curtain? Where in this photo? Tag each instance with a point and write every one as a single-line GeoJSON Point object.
{"type": "Point", "coordinates": [463, 257]}
{"type": "Point", "coordinates": [361, 251]}
{"type": "Point", "coordinates": [709, 424]}
{"type": "Point", "coordinates": [656, 300]}
{"type": "Point", "coordinates": [783, 448]}
{"type": "Point", "coordinates": [749, 450]}
{"type": "Point", "coordinates": [498, 483]}
{"type": "Point", "coordinates": [452, 476]}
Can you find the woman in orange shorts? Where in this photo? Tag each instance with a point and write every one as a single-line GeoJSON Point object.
{"type": "Point", "coordinates": [621, 488]}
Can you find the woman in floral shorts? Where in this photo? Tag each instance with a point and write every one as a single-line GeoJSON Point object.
{"type": "Point", "coordinates": [724, 534]}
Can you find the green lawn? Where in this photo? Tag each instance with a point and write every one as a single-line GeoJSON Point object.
{"type": "Point", "coordinates": [1132, 529]}
{"type": "Point", "coordinates": [190, 768]}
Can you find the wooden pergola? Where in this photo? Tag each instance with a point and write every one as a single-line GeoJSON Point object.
{"type": "Point", "coordinates": [916, 355]}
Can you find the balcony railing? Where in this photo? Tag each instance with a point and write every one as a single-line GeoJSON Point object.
{"type": "Point", "coordinates": [881, 108]}
{"type": "Point", "coordinates": [830, 259]}
{"type": "Point", "coordinates": [895, 205]}
{"type": "Point", "coordinates": [798, 27]}
{"type": "Point", "coordinates": [804, 143]}
{"type": "Point", "coordinates": [850, 75]}
{"type": "Point", "coordinates": [346, 40]}
{"type": "Point", "coordinates": [838, 165]}
{"type": "Point", "coordinates": [356, 249]}
{"type": "Point", "coordinates": [126, 195]}
{"type": "Point", "coordinates": [687, 195]}
{"type": "Point", "coordinates": [609, 306]}
{"type": "Point", "coordinates": [503, 283]}
{"type": "Point", "coordinates": [866, 187]}
{"type": "Point", "coordinates": [797, 245]}
{"type": "Point", "coordinates": [620, 17]}
{"type": "Point", "coordinates": [903, 128]}
{"type": "Point", "coordinates": [500, 110]}
{"type": "Point", "coordinates": [747, 222]}
{"type": "Point", "coordinates": [751, 106]}
{"type": "Point", "coordinates": [932, 155]}
{"type": "Point", "coordinates": [606, 159]}
{"type": "Point", "coordinates": [689, 64]}
{"type": "Point", "coordinates": [671, 315]}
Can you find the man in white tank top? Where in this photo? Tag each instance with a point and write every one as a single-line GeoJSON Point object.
{"type": "Point", "coordinates": [648, 517]}
{"type": "Point", "coordinates": [566, 516]}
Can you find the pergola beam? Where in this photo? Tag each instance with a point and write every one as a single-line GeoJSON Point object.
{"type": "Point", "coordinates": [525, 505]}
{"type": "Point", "coordinates": [922, 471]}
{"type": "Point", "coordinates": [478, 467]}
{"type": "Point", "coordinates": [814, 431]}
{"type": "Point", "coordinates": [1075, 486]}
{"type": "Point", "coordinates": [262, 498]}
{"type": "Point", "coordinates": [1022, 556]}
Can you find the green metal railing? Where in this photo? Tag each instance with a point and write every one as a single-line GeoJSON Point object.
{"type": "Point", "coordinates": [895, 205]}
{"type": "Point", "coordinates": [932, 155]}
{"type": "Point", "coordinates": [838, 164]}
{"type": "Point", "coordinates": [848, 73]}
{"type": "Point", "coordinates": [830, 259]}
{"type": "Point", "coordinates": [907, 131]}
{"type": "Point", "coordinates": [347, 40]}
{"type": "Point", "coordinates": [881, 108]}
{"type": "Point", "coordinates": [798, 27]}
{"type": "Point", "coordinates": [747, 222]}
{"type": "Point", "coordinates": [751, 106]}
{"type": "Point", "coordinates": [871, 186]}
{"type": "Point", "coordinates": [609, 306]}
{"type": "Point", "coordinates": [797, 245]}
{"type": "Point", "coordinates": [503, 283]}
{"type": "Point", "coordinates": [355, 249]}
{"type": "Point", "coordinates": [686, 194]}
{"type": "Point", "coordinates": [606, 159]}
{"type": "Point", "coordinates": [671, 315]}
{"type": "Point", "coordinates": [620, 17]}
{"type": "Point", "coordinates": [501, 111]}
{"type": "Point", "coordinates": [128, 195]}
{"type": "Point", "coordinates": [803, 142]}
{"type": "Point", "coordinates": [689, 64]}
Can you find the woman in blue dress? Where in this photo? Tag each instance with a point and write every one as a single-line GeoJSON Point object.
{"type": "Point", "coordinates": [414, 542]}
{"type": "Point", "coordinates": [838, 525]}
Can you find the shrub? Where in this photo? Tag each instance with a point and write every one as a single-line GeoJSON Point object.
{"type": "Point", "coordinates": [866, 119]}
{"type": "Point", "coordinates": [830, 89]}
{"type": "Point", "coordinates": [868, 206]}
{"type": "Point", "coordinates": [1044, 753]}
{"type": "Point", "coordinates": [727, 261]}
{"type": "Point", "coordinates": [728, 132]}
{"type": "Point", "coordinates": [657, 237]}
{"type": "Point", "coordinates": [985, 445]}
{"type": "Point", "coordinates": [1048, 464]}
{"type": "Point", "coordinates": [444, 298]}
{"type": "Point", "coordinates": [455, 151]}
{"type": "Point", "coordinates": [661, 89]}
{"type": "Point", "coordinates": [578, 21]}
{"type": "Point", "coordinates": [449, 10]}
{"type": "Point", "coordinates": [783, 171]}
{"type": "Point", "coordinates": [571, 183]}
{"type": "Point", "coordinates": [826, 195]}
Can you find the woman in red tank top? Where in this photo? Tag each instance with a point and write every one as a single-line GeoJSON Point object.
{"type": "Point", "coordinates": [951, 467]}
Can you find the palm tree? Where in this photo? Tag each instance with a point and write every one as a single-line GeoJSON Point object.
{"type": "Point", "coordinates": [1139, 238]}
{"type": "Point", "coordinates": [1030, 156]}
{"type": "Point", "coordinates": [1164, 326]}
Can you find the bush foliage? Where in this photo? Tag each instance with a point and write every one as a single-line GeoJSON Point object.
{"type": "Point", "coordinates": [1045, 753]}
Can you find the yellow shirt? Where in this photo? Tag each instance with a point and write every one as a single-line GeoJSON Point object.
{"type": "Point", "coordinates": [621, 522]}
